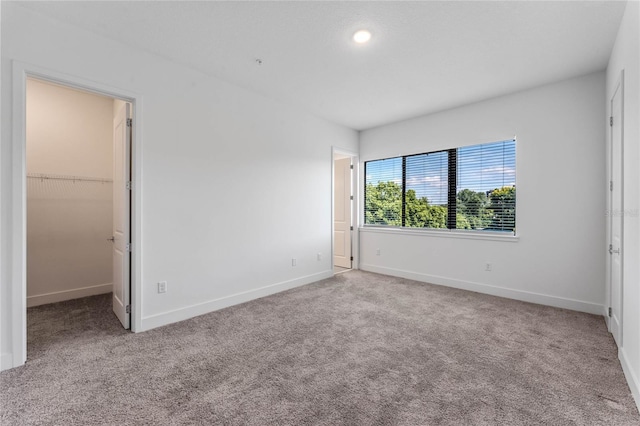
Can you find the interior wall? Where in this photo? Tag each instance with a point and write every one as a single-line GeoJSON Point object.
{"type": "Point", "coordinates": [234, 185]}
{"type": "Point", "coordinates": [558, 256]}
{"type": "Point", "coordinates": [69, 134]}
{"type": "Point", "coordinates": [626, 56]}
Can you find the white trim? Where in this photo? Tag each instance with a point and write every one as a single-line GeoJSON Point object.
{"type": "Point", "coordinates": [355, 179]}
{"type": "Point", "coordinates": [18, 226]}
{"type": "Point", "coordinates": [443, 233]}
{"type": "Point", "coordinates": [525, 296]}
{"type": "Point", "coordinates": [187, 312]}
{"type": "Point", "coordinates": [609, 165]}
{"type": "Point", "coordinates": [630, 375]}
{"type": "Point", "coordinates": [60, 296]}
{"type": "Point", "coordinates": [20, 72]}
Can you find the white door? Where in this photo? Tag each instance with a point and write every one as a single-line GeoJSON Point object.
{"type": "Point", "coordinates": [616, 217]}
{"type": "Point", "coordinates": [121, 215]}
{"type": "Point", "coordinates": [342, 213]}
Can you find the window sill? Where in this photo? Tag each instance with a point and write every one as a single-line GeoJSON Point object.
{"type": "Point", "coordinates": [442, 233]}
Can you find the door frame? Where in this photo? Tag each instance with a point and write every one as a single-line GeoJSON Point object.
{"type": "Point", "coordinates": [355, 240]}
{"type": "Point", "coordinates": [619, 87]}
{"type": "Point", "coordinates": [20, 73]}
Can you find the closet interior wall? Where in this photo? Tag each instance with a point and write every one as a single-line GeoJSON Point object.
{"type": "Point", "coordinates": [69, 193]}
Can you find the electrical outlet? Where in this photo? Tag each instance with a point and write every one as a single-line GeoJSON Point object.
{"type": "Point", "coordinates": [319, 257]}
{"type": "Point", "coordinates": [162, 287]}
{"type": "Point", "coordinates": [488, 267]}
{"type": "Point", "coordinates": [294, 262]}
{"type": "Point", "coordinates": [377, 252]}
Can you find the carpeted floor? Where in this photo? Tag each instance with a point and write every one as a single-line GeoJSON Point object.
{"type": "Point", "coordinates": [356, 349]}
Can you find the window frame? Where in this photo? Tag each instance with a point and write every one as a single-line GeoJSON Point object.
{"type": "Point", "coordinates": [452, 172]}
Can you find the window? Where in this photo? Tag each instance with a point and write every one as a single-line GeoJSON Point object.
{"type": "Point", "coordinates": [470, 187]}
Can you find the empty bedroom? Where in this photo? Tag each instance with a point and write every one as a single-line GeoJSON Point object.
{"type": "Point", "coordinates": [357, 213]}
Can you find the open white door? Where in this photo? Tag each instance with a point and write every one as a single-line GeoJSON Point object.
{"type": "Point", "coordinates": [616, 216]}
{"type": "Point", "coordinates": [121, 215]}
{"type": "Point", "coordinates": [342, 213]}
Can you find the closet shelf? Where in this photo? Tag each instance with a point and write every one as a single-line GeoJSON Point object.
{"type": "Point", "coordinates": [43, 176]}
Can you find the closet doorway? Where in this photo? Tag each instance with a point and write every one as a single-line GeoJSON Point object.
{"type": "Point", "coordinates": [78, 206]}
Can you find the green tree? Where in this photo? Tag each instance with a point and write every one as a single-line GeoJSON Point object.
{"type": "Point", "coordinates": [383, 204]}
{"type": "Point", "coordinates": [502, 204]}
{"type": "Point", "coordinates": [436, 217]}
{"type": "Point", "coordinates": [462, 221]}
{"type": "Point", "coordinates": [419, 214]}
{"type": "Point", "coordinates": [475, 210]}
{"type": "Point", "coordinates": [473, 206]}
{"type": "Point", "coordinates": [415, 210]}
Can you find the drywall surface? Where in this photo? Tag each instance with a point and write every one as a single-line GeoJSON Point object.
{"type": "Point", "coordinates": [233, 185]}
{"type": "Point", "coordinates": [626, 57]}
{"type": "Point", "coordinates": [69, 134]}
{"type": "Point", "coordinates": [557, 257]}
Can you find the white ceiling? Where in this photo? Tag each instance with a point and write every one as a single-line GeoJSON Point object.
{"type": "Point", "coordinates": [423, 56]}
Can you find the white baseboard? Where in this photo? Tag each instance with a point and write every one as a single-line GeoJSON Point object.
{"type": "Point", "coordinates": [60, 296]}
{"type": "Point", "coordinates": [525, 296]}
{"type": "Point", "coordinates": [6, 361]}
{"type": "Point", "coordinates": [187, 312]}
{"type": "Point", "coordinates": [630, 375]}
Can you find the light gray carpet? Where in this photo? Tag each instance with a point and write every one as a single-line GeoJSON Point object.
{"type": "Point", "coordinates": [356, 349]}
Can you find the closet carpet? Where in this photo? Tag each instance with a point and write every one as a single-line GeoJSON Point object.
{"type": "Point", "coordinates": [355, 349]}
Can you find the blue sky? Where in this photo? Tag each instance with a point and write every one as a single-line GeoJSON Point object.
{"type": "Point", "coordinates": [481, 168]}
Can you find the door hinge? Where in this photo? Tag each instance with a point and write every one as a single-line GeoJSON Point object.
{"type": "Point", "coordinates": [351, 228]}
{"type": "Point", "coordinates": [129, 185]}
{"type": "Point", "coordinates": [128, 309]}
{"type": "Point", "coordinates": [352, 258]}
{"type": "Point", "coordinates": [351, 166]}
{"type": "Point", "coordinates": [611, 121]}
{"type": "Point", "coordinates": [129, 247]}
{"type": "Point", "coordinates": [610, 312]}
{"type": "Point", "coordinates": [351, 197]}
{"type": "Point", "coordinates": [610, 185]}
{"type": "Point", "coordinates": [129, 122]}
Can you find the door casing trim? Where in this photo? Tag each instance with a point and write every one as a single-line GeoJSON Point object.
{"type": "Point", "coordinates": [18, 277]}
{"type": "Point", "coordinates": [619, 86]}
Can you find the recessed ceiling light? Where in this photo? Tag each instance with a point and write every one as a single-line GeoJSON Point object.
{"type": "Point", "coordinates": [362, 36]}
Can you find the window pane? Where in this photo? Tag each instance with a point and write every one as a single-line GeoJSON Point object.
{"type": "Point", "coordinates": [383, 192]}
{"type": "Point", "coordinates": [486, 187]}
{"type": "Point", "coordinates": [426, 190]}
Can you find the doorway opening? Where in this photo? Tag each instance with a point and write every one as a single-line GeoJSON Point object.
{"type": "Point", "coordinates": [343, 211]}
{"type": "Point", "coordinates": [78, 211]}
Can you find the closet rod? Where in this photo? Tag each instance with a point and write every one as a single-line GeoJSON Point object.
{"type": "Point", "coordinates": [72, 178]}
